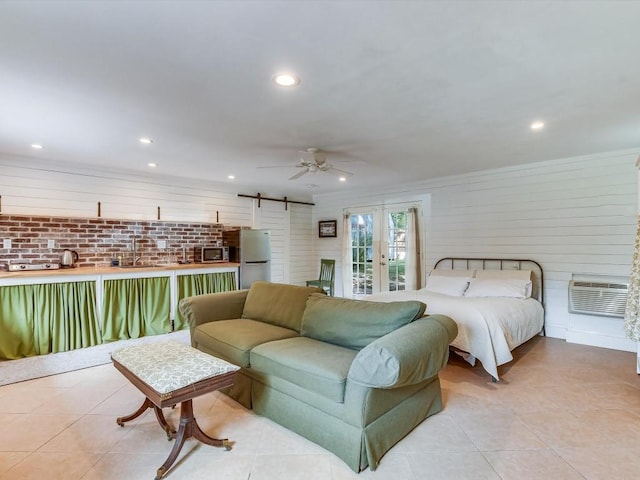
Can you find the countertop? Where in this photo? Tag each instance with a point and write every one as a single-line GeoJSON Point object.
{"type": "Point", "coordinates": [105, 270]}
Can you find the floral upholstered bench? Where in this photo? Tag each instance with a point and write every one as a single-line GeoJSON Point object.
{"type": "Point", "coordinates": [168, 373]}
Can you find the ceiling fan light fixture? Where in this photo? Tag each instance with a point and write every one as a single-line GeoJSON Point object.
{"type": "Point", "coordinates": [146, 141]}
{"type": "Point", "coordinates": [537, 125]}
{"type": "Point", "coordinates": [286, 80]}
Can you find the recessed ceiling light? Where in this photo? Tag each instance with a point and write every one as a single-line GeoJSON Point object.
{"type": "Point", "coordinates": [36, 146]}
{"type": "Point", "coordinates": [146, 141]}
{"type": "Point", "coordinates": [537, 125]}
{"type": "Point", "coordinates": [343, 179]}
{"type": "Point", "coordinates": [152, 165]}
{"type": "Point", "coordinates": [286, 80]}
{"type": "Point", "coordinates": [231, 177]}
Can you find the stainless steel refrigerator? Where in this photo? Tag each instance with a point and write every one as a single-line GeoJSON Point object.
{"type": "Point", "coordinates": [252, 250]}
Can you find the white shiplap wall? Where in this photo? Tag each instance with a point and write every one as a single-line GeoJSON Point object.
{"type": "Point", "coordinates": [302, 264]}
{"type": "Point", "coordinates": [33, 187]}
{"type": "Point", "coordinates": [574, 216]}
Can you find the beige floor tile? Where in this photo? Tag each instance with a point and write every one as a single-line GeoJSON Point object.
{"type": "Point", "coordinates": [392, 467]}
{"type": "Point", "coordinates": [531, 465]}
{"type": "Point", "coordinates": [122, 402]}
{"type": "Point", "coordinates": [526, 399]}
{"type": "Point", "coordinates": [148, 438]}
{"type": "Point", "coordinates": [448, 466]}
{"type": "Point", "coordinates": [52, 466]}
{"type": "Point", "coordinates": [226, 466]}
{"type": "Point", "coordinates": [291, 467]}
{"type": "Point", "coordinates": [91, 433]}
{"type": "Point", "coordinates": [562, 429]}
{"type": "Point", "coordinates": [9, 459]}
{"type": "Point", "coordinates": [583, 402]}
{"type": "Point", "coordinates": [28, 432]}
{"type": "Point", "coordinates": [275, 439]}
{"type": "Point", "coordinates": [244, 431]}
{"type": "Point", "coordinates": [80, 399]}
{"type": "Point", "coordinates": [604, 463]}
{"type": "Point", "coordinates": [498, 432]}
{"type": "Point", "coordinates": [617, 396]}
{"type": "Point", "coordinates": [122, 466]}
{"type": "Point", "coordinates": [26, 399]}
{"type": "Point", "coordinates": [68, 379]}
{"type": "Point", "coordinates": [618, 428]}
{"type": "Point", "coordinates": [571, 397]}
{"type": "Point", "coordinates": [438, 433]}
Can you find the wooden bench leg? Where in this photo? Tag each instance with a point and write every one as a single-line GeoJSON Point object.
{"type": "Point", "coordinates": [159, 416]}
{"type": "Point", "coordinates": [188, 428]}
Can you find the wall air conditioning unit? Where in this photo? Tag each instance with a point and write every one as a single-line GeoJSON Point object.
{"type": "Point", "coordinates": [598, 298]}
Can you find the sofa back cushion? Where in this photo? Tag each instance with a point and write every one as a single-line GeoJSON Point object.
{"type": "Point", "coordinates": [355, 323]}
{"type": "Point", "coordinates": [277, 304]}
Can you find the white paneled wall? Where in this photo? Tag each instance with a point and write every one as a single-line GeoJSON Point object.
{"type": "Point", "coordinates": [273, 216]}
{"type": "Point", "coordinates": [302, 260]}
{"type": "Point", "coordinates": [32, 187]}
{"type": "Point", "coordinates": [574, 216]}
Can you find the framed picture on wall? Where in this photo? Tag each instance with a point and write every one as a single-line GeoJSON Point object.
{"type": "Point", "coordinates": [328, 228]}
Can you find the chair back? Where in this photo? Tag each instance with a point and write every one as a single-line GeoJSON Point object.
{"type": "Point", "coordinates": [327, 270]}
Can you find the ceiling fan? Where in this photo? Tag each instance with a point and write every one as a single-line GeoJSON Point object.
{"type": "Point", "coordinates": [313, 160]}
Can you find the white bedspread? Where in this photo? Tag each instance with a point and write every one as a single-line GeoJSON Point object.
{"type": "Point", "coordinates": [489, 328]}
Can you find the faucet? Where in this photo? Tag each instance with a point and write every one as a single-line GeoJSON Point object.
{"type": "Point", "coordinates": [135, 258]}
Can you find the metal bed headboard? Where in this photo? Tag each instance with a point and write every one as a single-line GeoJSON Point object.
{"type": "Point", "coordinates": [537, 280]}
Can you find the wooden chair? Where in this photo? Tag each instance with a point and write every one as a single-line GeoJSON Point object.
{"type": "Point", "coordinates": [327, 276]}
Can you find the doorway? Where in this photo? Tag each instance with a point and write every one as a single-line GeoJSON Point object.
{"type": "Point", "coordinates": [383, 249]}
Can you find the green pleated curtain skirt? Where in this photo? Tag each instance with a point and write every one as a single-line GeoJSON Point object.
{"type": "Point", "coordinates": [200, 284]}
{"type": "Point", "coordinates": [47, 318]}
{"type": "Point", "coordinates": [135, 307]}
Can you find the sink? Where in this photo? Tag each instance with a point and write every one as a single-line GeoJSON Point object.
{"type": "Point", "coordinates": [172, 264]}
{"type": "Point", "coordinates": [135, 266]}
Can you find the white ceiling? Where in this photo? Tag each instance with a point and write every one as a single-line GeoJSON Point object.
{"type": "Point", "coordinates": [399, 91]}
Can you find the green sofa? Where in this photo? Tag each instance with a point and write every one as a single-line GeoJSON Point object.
{"type": "Point", "coordinates": [352, 376]}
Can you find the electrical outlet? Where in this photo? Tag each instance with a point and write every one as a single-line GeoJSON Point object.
{"type": "Point", "coordinates": [162, 244]}
{"type": "Point", "coordinates": [51, 244]}
{"type": "Point", "coordinates": [6, 243]}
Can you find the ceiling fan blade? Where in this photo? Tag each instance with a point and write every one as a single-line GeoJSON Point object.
{"type": "Point", "coordinates": [299, 174]}
{"type": "Point", "coordinates": [337, 171]}
{"type": "Point", "coordinates": [279, 166]}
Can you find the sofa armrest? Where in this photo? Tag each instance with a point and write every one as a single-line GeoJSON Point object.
{"type": "Point", "coordinates": [406, 356]}
{"type": "Point", "coordinates": [212, 307]}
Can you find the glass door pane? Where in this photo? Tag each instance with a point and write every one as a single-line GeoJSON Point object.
{"type": "Point", "coordinates": [396, 250]}
{"type": "Point", "coordinates": [379, 251]}
{"type": "Point", "coordinates": [362, 253]}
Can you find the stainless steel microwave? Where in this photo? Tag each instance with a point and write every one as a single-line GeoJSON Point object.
{"type": "Point", "coordinates": [211, 254]}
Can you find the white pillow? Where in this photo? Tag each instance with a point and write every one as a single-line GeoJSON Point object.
{"type": "Point", "coordinates": [525, 275]}
{"type": "Point", "coordinates": [447, 285]}
{"type": "Point", "coordinates": [498, 287]}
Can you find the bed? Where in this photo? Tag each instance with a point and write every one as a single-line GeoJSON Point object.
{"type": "Point", "coordinates": [496, 303]}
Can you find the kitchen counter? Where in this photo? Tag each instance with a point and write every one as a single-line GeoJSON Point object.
{"type": "Point", "coordinates": [108, 270]}
{"type": "Point", "coordinates": [48, 311]}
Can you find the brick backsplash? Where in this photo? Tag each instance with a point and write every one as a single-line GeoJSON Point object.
{"type": "Point", "coordinates": [97, 240]}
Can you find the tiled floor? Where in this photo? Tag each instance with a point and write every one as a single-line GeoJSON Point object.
{"type": "Point", "coordinates": [561, 411]}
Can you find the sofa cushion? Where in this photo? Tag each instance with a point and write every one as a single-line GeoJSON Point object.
{"type": "Point", "coordinates": [317, 366]}
{"type": "Point", "coordinates": [232, 340]}
{"type": "Point", "coordinates": [277, 304]}
{"type": "Point", "coordinates": [355, 323]}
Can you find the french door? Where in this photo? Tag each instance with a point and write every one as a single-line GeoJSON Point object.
{"type": "Point", "coordinates": [378, 249]}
